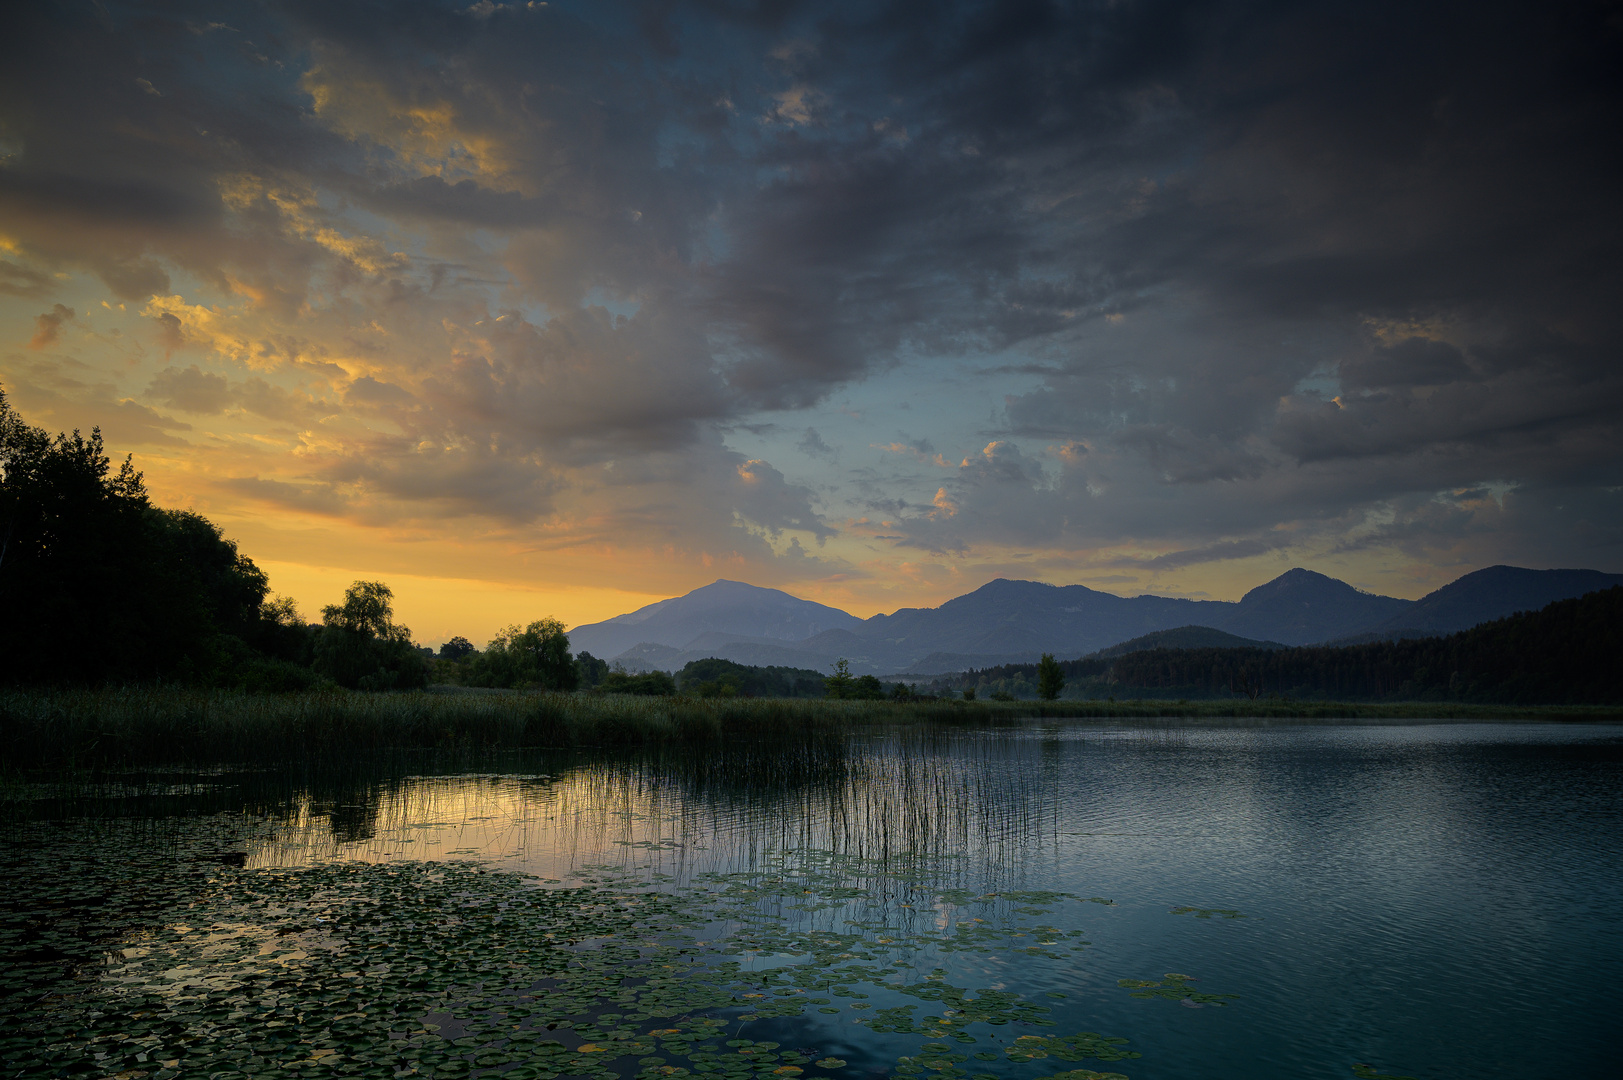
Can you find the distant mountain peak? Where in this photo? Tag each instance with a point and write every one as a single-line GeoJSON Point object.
{"type": "Point", "coordinates": [1493, 593]}
{"type": "Point", "coordinates": [1003, 589]}
{"type": "Point", "coordinates": [1016, 583]}
{"type": "Point", "coordinates": [1303, 606]}
{"type": "Point", "coordinates": [1297, 578]}
{"type": "Point", "coordinates": [726, 607]}
{"type": "Point", "coordinates": [722, 583]}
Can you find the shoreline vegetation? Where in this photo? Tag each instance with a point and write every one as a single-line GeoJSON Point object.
{"type": "Point", "coordinates": [195, 661]}
{"type": "Point", "coordinates": [90, 729]}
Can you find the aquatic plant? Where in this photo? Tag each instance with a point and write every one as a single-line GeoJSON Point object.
{"type": "Point", "coordinates": [1174, 987]}
{"type": "Point", "coordinates": [453, 970]}
{"type": "Point", "coordinates": [97, 728]}
{"type": "Point", "coordinates": [1367, 1072]}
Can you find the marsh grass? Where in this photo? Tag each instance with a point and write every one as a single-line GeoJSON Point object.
{"type": "Point", "coordinates": [92, 728]}
{"type": "Point", "coordinates": [103, 728]}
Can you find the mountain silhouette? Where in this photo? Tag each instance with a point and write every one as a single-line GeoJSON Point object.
{"type": "Point", "coordinates": [1012, 621]}
{"type": "Point", "coordinates": [729, 608]}
{"type": "Point", "coordinates": [1300, 607]}
{"type": "Point", "coordinates": [1491, 593]}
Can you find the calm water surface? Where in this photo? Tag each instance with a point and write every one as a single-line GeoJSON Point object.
{"type": "Point", "coordinates": [1432, 900]}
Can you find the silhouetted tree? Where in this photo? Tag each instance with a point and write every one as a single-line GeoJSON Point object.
{"type": "Point", "coordinates": [840, 684]}
{"type": "Point", "coordinates": [589, 670]}
{"type": "Point", "coordinates": [536, 656]}
{"type": "Point", "coordinates": [1050, 680]}
{"type": "Point", "coordinates": [368, 608]}
{"type": "Point", "coordinates": [82, 547]}
{"type": "Point", "coordinates": [456, 649]}
{"type": "Point", "coordinates": [361, 647]}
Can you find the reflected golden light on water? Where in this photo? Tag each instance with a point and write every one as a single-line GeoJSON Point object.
{"type": "Point", "coordinates": [654, 820]}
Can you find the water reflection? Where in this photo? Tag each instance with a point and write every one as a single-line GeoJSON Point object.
{"type": "Point", "coordinates": [1437, 898]}
{"type": "Point", "coordinates": [677, 816]}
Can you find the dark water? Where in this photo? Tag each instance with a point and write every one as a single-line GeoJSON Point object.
{"type": "Point", "coordinates": [1434, 901]}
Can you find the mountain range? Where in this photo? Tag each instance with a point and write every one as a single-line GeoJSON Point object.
{"type": "Point", "coordinates": [1007, 621]}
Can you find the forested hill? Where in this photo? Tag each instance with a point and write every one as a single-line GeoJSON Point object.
{"type": "Point", "coordinates": [1186, 637]}
{"type": "Point", "coordinates": [1566, 653]}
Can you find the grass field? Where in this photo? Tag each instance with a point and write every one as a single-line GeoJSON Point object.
{"type": "Point", "coordinates": [92, 728]}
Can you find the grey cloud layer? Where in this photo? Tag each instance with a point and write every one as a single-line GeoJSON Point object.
{"type": "Point", "coordinates": [1299, 267]}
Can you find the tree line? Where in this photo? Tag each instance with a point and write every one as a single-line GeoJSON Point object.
{"type": "Point", "coordinates": [98, 585]}
{"type": "Point", "coordinates": [101, 587]}
{"type": "Point", "coordinates": [1565, 653]}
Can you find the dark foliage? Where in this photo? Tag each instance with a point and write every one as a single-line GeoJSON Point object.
{"type": "Point", "coordinates": [1564, 654]}
{"type": "Point", "coordinates": [714, 677]}
{"type": "Point", "coordinates": [649, 684]}
{"type": "Point", "coordinates": [359, 645]}
{"type": "Point", "coordinates": [840, 683]}
{"type": "Point", "coordinates": [867, 688]}
{"type": "Point", "coordinates": [589, 670]}
{"type": "Point", "coordinates": [533, 658]}
{"type": "Point", "coordinates": [100, 586]}
{"type": "Point", "coordinates": [1050, 680]}
{"type": "Point", "coordinates": [843, 685]}
{"type": "Point", "coordinates": [456, 649]}
{"type": "Point", "coordinates": [361, 661]}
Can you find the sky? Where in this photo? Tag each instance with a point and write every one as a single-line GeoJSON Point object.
{"type": "Point", "coordinates": [561, 308]}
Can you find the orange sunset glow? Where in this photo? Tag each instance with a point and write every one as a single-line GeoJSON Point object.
{"type": "Point", "coordinates": [554, 309]}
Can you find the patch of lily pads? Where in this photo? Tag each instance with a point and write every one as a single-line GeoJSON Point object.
{"type": "Point", "coordinates": [183, 962]}
{"type": "Point", "coordinates": [1175, 987]}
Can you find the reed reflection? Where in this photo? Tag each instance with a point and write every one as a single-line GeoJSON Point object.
{"type": "Point", "coordinates": [674, 815]}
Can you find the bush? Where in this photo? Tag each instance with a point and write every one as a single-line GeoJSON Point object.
{"type": "Point", "coordinates": [360, 661]}
{"type": "Point", "coordinates": [649, 684]}
{"type": "Point", "coordinates": [867, 688]}
{"type": "Point", "coordinates": [589, 670]}
{"type": "Point", "coordinates": [266, 675]}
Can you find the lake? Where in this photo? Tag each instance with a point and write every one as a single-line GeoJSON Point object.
{"type": "Point", "coordinates": [1089, 899]}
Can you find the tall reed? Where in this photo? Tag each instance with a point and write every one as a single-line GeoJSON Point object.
{"type": "Point", "coordinates": [96, 728]}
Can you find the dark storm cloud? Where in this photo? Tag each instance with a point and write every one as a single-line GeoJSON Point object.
{"type": "Point", "coordinates": [1408, 209]}
{"type": "Point", "coordinates": [21, 281]}
{"type": "Point", "coordinates": [98, 173]}
{"type": "Point", "coordinates": [1269, 263]}
{"type": "Point", "coordinates": [462, 203]}
{"type": "Point", "coordinates": [1411, 362]}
